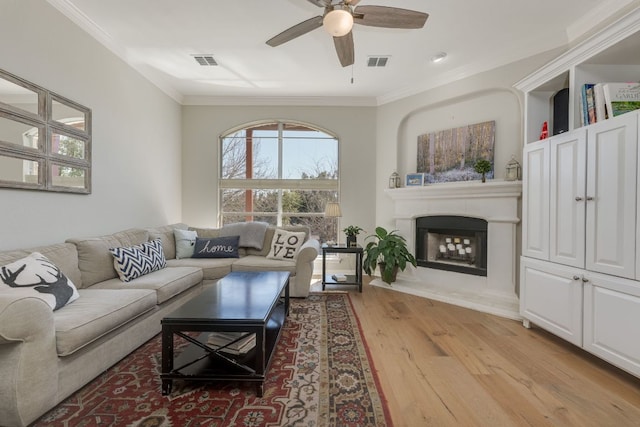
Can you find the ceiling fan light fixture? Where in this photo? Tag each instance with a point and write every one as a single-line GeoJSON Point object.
{"type": "Point", "coordinates": [338, 22]}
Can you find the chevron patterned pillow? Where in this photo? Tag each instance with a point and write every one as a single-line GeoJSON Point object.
{"type": "Point", "coordinates": [135, 261]}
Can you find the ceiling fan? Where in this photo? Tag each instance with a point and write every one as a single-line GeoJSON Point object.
{"type": "Point", "coordinates": [339, 17]}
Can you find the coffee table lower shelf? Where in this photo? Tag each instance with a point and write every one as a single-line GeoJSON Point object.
{"type": "Point", "coordinates": [200, 362]}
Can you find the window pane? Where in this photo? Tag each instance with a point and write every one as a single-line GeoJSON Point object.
{"type": "Point", "coordinates": [67, 146]}
{"type": "Point", "coordinates": [265, 154]}
{"type": "Point", "coordinates": [234, 156]}
{"type": "Point", "coordinates": [234, 200]}
{"type": "Point", "coordinates": [323, 229]}
{"type": "Point", "coordinates": [307, 157]}
{"type": "Point", "coordinates": [18, 133]}
{"type": "Point", "coordinates": [265, 201]}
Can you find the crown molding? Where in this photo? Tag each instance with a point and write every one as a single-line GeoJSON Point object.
{"type": "Point", "coordinates": [619, 30]}
{"type": "Point", "coordinates": [603, 11]}
{"type": "Point", "coordinates": [103, 37]}
{"type": "Point", "coordinates": [306, 101]}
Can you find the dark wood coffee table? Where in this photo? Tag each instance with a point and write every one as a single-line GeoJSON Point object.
{"type": "Point", "coordinates": [248, 302]}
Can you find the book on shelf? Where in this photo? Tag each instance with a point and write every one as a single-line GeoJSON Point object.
{"type": "Point", "coordinates": [598, 102]}
{"type": "Point", "coordinates": [591, 106]}
{"type": "Point", "coordinates": [584, 98]}
{"type": "Point", "coordinates": [243, 342]}
{"type": "Point", "coordinates": [621, 98]}
{"type": "Point", "coordinates": [339, 277]}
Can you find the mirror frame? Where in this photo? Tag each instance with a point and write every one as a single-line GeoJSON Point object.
{"type": "Point", "coordinates": [44, 154]}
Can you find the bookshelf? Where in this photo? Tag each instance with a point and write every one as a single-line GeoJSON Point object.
{"type": "Point", "coordinates": [611, 55]}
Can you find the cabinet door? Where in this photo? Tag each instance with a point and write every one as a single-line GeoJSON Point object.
{"type": "Point", "coordinates": [535, 200]}
{"type": "Point", "coordinates": [551, 297]}
{"type": "Point", "coordinates": [611, 319]}
{"type": "Point", "coordinates": [611, 196]}
{"type": "Point", "coordinates": [568, 162]}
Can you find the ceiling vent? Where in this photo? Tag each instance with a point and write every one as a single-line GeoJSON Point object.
{"type": "Point", "coordinates": [377, 61]}
{"type": "Point", "coordinates": [205, 60]}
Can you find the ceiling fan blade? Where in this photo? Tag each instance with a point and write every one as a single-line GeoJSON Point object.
{"type": "Point", "coordinates": [344, 49]}
{"type": "Point", "coordinates": [350, 2]}
{"type": "Point", "coordinates": [389, 17]}
{"type": "Point", "coordinates": [296, 31]}
{"type": "Point", "coordinates": [320, 3]}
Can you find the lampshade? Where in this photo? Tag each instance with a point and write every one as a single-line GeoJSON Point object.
{"type": "Point", "coordinates": [332, 209]}
{"type": "Point", "coordinates": [338, 22]}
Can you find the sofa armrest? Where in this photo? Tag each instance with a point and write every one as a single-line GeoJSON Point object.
{"type": "Point", "coordinates": [301, 283]}
{"type": "Point", "coordinates": [28, 359]}
{"type": "Point", "coordinates": [308, 252]}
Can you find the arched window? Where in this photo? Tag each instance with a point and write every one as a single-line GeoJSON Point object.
{"type": "Point", "coordinates": [283, 173]}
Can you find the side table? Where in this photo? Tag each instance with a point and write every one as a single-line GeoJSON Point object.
{"type": "Point", "coordinates": [352, 279]}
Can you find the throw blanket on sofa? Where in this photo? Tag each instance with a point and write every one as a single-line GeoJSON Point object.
{"type": "Point", "coordinates": [251, 233]}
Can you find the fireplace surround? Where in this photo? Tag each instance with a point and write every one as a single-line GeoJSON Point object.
{"type": "Point", "coordinates": [495, 202]}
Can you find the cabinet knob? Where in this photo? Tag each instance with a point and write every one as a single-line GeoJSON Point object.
{"type": "Point", "coordinates": [578, 199]}
{"type": "Point", "coordinates": [585, 280]}
{"type": "Point", "coordinates": [576, 277]}
{"type": "Point", "coordinates": [589, 197]}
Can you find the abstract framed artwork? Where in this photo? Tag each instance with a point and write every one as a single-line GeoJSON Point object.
{"type": "Point", "coordinates": [449, 155]}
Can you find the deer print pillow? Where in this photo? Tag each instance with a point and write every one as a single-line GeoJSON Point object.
{"type": "Point", "coordinates": [36, 276]}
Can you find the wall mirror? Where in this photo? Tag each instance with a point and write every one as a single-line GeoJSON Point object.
{"type": "Point", "coordinates": [45, 139]}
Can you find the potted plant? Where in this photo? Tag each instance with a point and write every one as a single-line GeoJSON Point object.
{"type": "Point", "coordinates": [388, 251]}
{"type": "Point", "coordinates": [352, 232]}
{"type": "Point", "coordinates": [482, 166]}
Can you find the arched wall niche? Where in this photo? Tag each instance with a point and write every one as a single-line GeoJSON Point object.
{"type": "Point", "coordinates": [500, 104]}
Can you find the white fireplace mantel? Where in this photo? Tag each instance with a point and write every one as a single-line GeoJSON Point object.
{"type": "Point", "coordinates": [497, 202]}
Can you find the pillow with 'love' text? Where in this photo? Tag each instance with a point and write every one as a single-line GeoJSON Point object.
{"type": "Point", "coordinates": [285, 244]}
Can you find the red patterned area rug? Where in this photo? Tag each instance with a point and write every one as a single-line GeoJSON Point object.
{"type": "Point", "coordinates": [321, 375]}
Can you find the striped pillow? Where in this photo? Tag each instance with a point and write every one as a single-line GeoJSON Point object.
{"type": "Point", "coordinates": [135, 261]}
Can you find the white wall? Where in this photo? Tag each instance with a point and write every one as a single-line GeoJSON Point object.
{"type": "Point", "coordinates": [136, 133]}
{"type": "Point", "coordinates": [483, 97]}
{"type": "Point", "coordinates": [354, 126]}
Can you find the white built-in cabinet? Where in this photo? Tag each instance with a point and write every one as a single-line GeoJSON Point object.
{"type": "Point", "coordinates": [580, 264]}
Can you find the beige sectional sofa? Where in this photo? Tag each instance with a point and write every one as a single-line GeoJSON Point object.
{"type": "Point", "coordinates": [47, 355]}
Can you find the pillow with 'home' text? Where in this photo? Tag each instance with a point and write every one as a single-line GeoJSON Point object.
{"type": "Point", "coordinates": [285, 244]}
{"type": "Point", "coordinates": [218, 247]}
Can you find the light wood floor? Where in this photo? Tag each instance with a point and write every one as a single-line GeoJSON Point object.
{"type": "Point", "coordinates": [443, 365]}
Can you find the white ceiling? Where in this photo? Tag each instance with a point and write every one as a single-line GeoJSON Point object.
{"type": "Point", "coordinates": [159, 37]}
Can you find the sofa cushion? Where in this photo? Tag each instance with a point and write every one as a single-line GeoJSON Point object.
{"type": "Point", "coordinates": [135, 261]}
{"type": "Point", "coordinates": [96, 313]}
{"type": "Point", "coordinates": [212, 268]}
{"type": "Point", "coordinates": [94, 259]}
{"type": "Point", "coordinates": [260, 263]}
{"type": "Point", "coordinates": [165, 234]}
{"type": "Point", "coordinates": [219, 247]}
{"type": "Point", "coordinates": [166, 283]}
{"type": "Point", "coordinates": [36, 276]}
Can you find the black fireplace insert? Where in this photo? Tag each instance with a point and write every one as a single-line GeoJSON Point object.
{"type": "Point", "coordinates": [452, 243]}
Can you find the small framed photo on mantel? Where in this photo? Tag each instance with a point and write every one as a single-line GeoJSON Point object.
{"type": "Point", "coordinates": [414, 179]}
